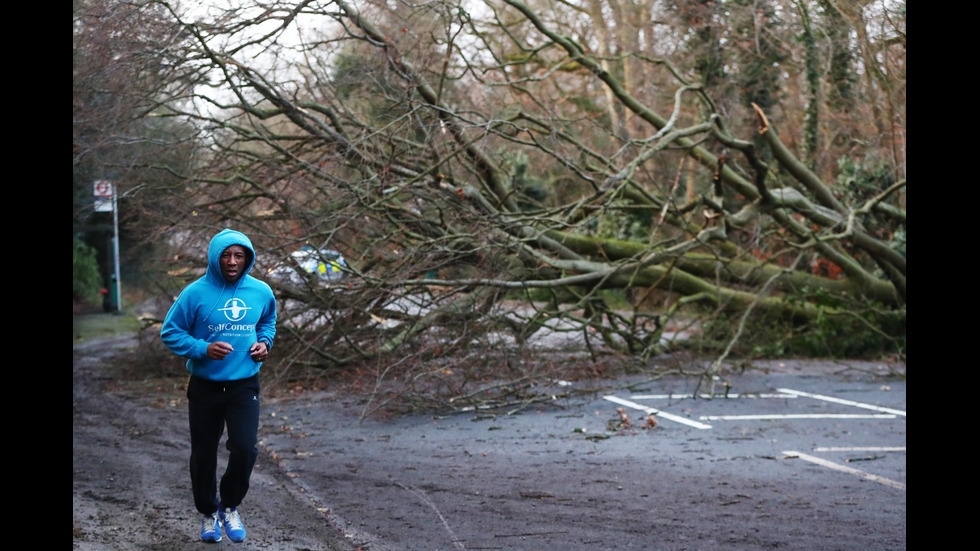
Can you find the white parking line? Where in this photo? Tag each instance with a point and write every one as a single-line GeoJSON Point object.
{"type": "Point", "coordinates": [840, 401]}
{"type": "Point", "coordinates": [889, 413]}
{"type": "Point", "coordinates": [706, 396]}
{"type": "Point", "coordinates": [845, 469]}
{"type": "Point", "coordinates": [768, 417]}
{"type": "Point", "coordinates": [862, 449]}
{"type": "Point", "coordinates": [657, 412]}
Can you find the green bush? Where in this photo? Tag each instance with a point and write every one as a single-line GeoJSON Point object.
{"type": "Point", "coordinates": [86, 280]}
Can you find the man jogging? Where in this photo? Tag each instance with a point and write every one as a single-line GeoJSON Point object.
{"type": "Point", "coordinates": [224, 324]}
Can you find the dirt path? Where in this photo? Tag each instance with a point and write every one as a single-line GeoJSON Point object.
{"type": "Point", "coordinates": [130, 488]}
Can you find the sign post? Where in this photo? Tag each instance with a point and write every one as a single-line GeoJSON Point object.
{"type": "Point", "coordinates": [106, 201]}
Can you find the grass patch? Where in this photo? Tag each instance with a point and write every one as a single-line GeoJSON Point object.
{"type": "Point", "coordinates": [96, 325]}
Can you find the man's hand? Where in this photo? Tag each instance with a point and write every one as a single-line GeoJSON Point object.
{"type": "Point", "coordinates": [218, 350]}
{"type": "Point", "coordinates": [259, 351]}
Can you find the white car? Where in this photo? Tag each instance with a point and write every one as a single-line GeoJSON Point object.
{"type": "Point", "coordinates": [328, 265]}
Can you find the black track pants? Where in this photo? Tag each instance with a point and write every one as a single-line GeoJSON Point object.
{"type": "Point", "coordinates": [212, 405]}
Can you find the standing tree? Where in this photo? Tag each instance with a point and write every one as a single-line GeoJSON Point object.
{"type": "Point", "coordinates": [126, 61]}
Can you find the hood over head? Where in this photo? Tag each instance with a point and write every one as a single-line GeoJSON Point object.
{"type": "Point", "coordinates": [219, 243]}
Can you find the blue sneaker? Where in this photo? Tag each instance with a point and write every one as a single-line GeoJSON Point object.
{"type": "Point", "coordinates": [211, 528]}
{"type": "Point", "coordinates": [233, 524]}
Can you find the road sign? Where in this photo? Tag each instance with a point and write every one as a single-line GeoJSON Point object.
{"type": "Point", "coordinates": [102, 190]}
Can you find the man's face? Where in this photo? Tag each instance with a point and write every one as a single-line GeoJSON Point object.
{"type": "Point", "coordinates": [232, 263]}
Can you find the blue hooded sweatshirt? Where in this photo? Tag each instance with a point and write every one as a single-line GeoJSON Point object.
{"type": "Point", "coordinates": [211, 309]}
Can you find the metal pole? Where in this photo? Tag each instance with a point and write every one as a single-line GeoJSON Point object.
{"type": "Point", "coordinates": [115, 247]}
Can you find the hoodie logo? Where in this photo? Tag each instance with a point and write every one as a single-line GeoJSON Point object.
{"type": "Point", "coordinates": [235, 309]}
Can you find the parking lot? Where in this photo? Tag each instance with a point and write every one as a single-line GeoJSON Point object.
{"type": "Point", "coordinates": [860, 448]}
{"type": "Point", "coordinates": [784, 461]}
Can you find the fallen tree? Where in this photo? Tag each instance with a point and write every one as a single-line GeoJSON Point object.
{"type": "Point", "coordinates": [492, 171]}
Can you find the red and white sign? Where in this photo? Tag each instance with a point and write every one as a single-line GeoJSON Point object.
{"type": "Point", "coordinates": [102, 190]}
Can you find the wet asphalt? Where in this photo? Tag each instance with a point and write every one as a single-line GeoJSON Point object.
{"type": "Point", "coordinates": [789, 459]}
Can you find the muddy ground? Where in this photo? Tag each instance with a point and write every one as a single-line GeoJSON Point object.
{"type": "Point", "coordinates": [552, 477]}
